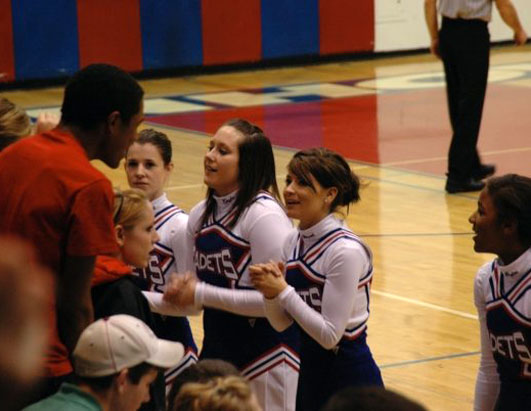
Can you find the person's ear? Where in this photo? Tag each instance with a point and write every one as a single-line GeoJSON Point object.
{"type": "Point", "coordinates": [114, 122]}
{"type": "Point", "coordinates": [121, 381]}
{"type": "Point", "coordinates": [119, 234]}
{"type": "Point", "coordinates": [169, 167]}
{"type": "Point", "coordinates": [510, 228]}
{"type": "Point", "coordinates": [331, 195]}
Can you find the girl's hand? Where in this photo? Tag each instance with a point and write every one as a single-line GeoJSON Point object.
{"type": "Point", "coordinates": [187, 291]}
{"type": "Point", "coordinates": [46, 121]}
{"type": "Point", "coordinates": [268, 278]}
{"type": "Point", "coordinates": [180, 289]}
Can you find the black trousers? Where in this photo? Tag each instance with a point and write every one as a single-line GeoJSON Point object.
{"type": "Point", "coordinates": [464, 46]}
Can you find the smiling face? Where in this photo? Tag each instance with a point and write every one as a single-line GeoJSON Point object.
{"type": "Point", "coordinates": [146, 170]}
{"type": "Point", "coordinates": [136, 241]}
{"type": "Point", "coordinates": [307, 204]}
{"type": "Point", "coordinates": [221, 161]}
{"type": "Point", "coordinates": [489, 233]}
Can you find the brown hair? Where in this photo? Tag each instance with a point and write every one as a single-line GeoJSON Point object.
{"type": "Point", "coordinates": [370, 399]}
{"type": "Point", "coordinates": [230, 393]}
{"type": "Point", "coordinates": [128, 206]}
{"type": "Point", "coordinates": [330, 170]}
{"type": "Point", "coordinates": [202, 371]}
{"type": "Point", "coordinates": [159, 140]}
{"type": "Point", "coordinates": [14, 123]}
{"type": "Point", "coordinates": [256, 169]}
{"type": "Point", "coordinates": [511, 196]}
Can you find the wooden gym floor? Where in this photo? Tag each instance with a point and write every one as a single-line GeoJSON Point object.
{"type": "Point", "coordinates": [388, 116]}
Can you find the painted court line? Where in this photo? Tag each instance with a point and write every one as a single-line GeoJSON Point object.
{"type": "Point", "coordinates": [378, 179]}
{"type": "Point", "coordinates": [426, 305]}
{"type": "Point", "coordinates": [430, 159]}
{"type": "Point", "coordinates": [429, 359]}
{"type": "Point", "coordinates": [415, 234]}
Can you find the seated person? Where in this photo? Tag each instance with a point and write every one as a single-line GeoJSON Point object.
{"type": "Point", "coordinates": [115, 361]}
{"type": "Point", "coordinates": [15, 123]}
{"type": "Point", "coordinates": [231, 393]}
{"type": "Point", "coordinates": [370, 399]}
{"type": "Point", "coordinates": [201, 371]}
{"type": "Point", "coordinates": [114, 288]}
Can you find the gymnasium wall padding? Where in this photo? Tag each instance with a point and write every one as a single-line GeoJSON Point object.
{"type": "Point", "coordinates": [109, 32]}
{"type": "Point", "coordinates": [171, 33]}
{"type": "Point", "coordinates": [231, 31]}
{"type": "Point", "coordinates": [7, 59]}
{"type": "Point", "coordinates": [290, 28]}
{"type": "Point", "coordinates": [45, 38]}
{"type": "Point", "coordinates": [54, 39]}
{"type": "Point", "coordinates": [346, 26]}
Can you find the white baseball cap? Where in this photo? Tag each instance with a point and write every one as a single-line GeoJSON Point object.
{"type": "Point", "coordinates": [112, 344]}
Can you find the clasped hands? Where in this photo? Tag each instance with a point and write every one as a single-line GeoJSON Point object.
{"type": "Point", "coordinates": [268, 278]}
{"type": "Point", "coordinates": [180, 289]}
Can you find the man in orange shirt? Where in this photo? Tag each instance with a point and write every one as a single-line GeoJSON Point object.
{"type": "Point", "coordinates": [53, 197]}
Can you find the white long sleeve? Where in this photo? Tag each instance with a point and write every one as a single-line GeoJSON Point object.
{"type": "Point", "coordinates": [276, 315]}
{"type": "Point", "coordinates": [265, 226]}
{"type": "Point", "coordinates": [158, 305]}
{"type": "Point", "coordinates": [242, 302]}
{"type": "Point", "coordinates": [344, 267]}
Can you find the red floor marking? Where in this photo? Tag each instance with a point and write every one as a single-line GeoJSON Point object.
{"type": "Point", "coordinates": [347, 125]}
{"type": "Point", "coordinates": [388, 128]}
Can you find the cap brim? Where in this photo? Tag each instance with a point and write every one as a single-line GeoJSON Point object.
{"type": "Point", "coordinates": [168, 354]}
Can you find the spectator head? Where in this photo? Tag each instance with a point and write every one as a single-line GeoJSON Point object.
{"type": "Point", "coordinates": [231, 393]}
{"type": "Point", "coordinates": [105, 103]}
{"type": "Point", "coordinates": [202, 371]}
{"type": "Point", "coordinates": [14, 123]}
{"type": "Point", "coordinates": [134, 226]}
{"type": "Point", "coordinates": [119, 357]}
{"type": "Point", "coordinates": [25, 290]}
{"type": "Point", "coordinates": [370, 399]}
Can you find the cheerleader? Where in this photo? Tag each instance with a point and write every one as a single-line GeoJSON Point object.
{"type": "Point", "coordinates": [238, 224]}
{"type": "Point", "coordinates": [328, 272]}
{"type": "Point", "coordinates": [148, 165]}
{"type": "Point", "coordinates": [502, 294]}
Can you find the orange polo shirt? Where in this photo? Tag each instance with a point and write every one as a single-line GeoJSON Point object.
{"type": "Point", "coordinates": [53, 197]}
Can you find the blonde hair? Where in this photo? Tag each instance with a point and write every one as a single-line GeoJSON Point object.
{"type": "Point", "coordinates": [128, 206]}
{"type": "Point", "coordinates": [14, 123]}
{"type": "Point", "coordinates": [231, 393]}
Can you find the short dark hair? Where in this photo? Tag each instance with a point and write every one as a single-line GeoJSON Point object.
{"type": "Point", "coordinates": [104, 383]}
{"type": "Point", "coordinates": [330, 170]}
{"type": "Point", "coordinates": [202, 371]}
{"type": "Point", "coordinates": [96, 91]}
{"type": "Point", "coordinates": [159, 140]}
{"type": "Point", "coordinates": [370, 399]}
{"type": "Point", "coordinates": [511, 196]}
{"type": "Point", "coordinates": [256, 169]}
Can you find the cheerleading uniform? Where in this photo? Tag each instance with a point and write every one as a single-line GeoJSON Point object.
{"type": "Point", "coordinates": [329, 272]}
{"type": "Point", "coordinates": [502, 294]}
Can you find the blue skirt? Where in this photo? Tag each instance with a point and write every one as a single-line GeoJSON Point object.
{"type": "Point", "coordinates": [324, 372]}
